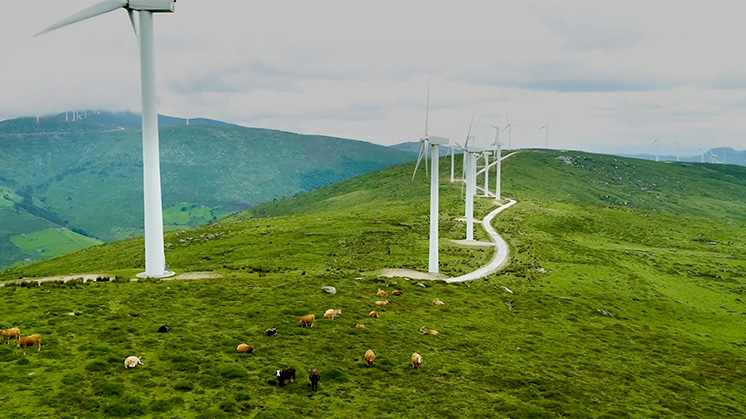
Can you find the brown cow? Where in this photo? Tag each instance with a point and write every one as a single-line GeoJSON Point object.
{"type": "Point", "coordinates": [307, 320]}
{"type": "Point", "coordinates": [416, 360]}
{"type": "Point", "coordinates": [370, 357]}
{"type": "Point", "coordinates": [244, 349]}
{"type": "Point", "coordinates": [374, 314]}
{"type": "Point", "coordinates": [32, 340]}
{"type": "Point", "coordinates": [11, 333]}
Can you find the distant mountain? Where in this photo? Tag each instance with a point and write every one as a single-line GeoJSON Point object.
{"type": "Point", "coordinates": [414, 147]}
{"type": "Point", "coordinates": [86, 175]}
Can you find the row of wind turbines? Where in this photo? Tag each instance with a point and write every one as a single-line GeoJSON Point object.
{"type": "Point", "coordinates": [471, 154]}
{"type": "Point", "coordinates": [712, 158]}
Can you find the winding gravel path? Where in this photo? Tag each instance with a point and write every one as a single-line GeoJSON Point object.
{"type": "Point", "coordinates": [502, 251]}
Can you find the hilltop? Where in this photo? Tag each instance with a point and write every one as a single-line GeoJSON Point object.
{"type": "Point", "coordinates": [86, 175]}
{"type": "Point", "coordinates": [626, 300]}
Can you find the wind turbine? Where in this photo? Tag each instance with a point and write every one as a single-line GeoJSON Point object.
{"type": "Point", "coordinates": [155, 260]}
{"type": "Point", "coordinates": [677, 150]}
{"type": "Point", "coordinates": [703, 155]}
{"type": "Point", "coordinates": [546, 139]}
{"type": "Point", "coordinates": [433, 143]}
{"type": "Point", "coordinates": [499, 160]}
{"type": "Point", "coordinates": [656, 148]}
{"type": "Point", "coordinates": [508, 127]}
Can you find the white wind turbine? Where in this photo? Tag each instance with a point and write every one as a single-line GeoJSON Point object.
{"type": "Point", "coordinates": [677, 150]}
{"type": "Point", "coordinates": [656, 148]}
{"type": "Point", "coordinates": [508, 127]}
{"type": "Point", "coordinates": [155, 260]}
{"type": "Point", "coordinates": [433, 143]}
{"type": "Point", "coordinates": [498, 157]}
{"type": "Point", "coordinates": [546, 138]}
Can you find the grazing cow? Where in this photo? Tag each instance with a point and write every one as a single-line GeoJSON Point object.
{"type": "Point", "coordinates": [382, 303]}
{"type": "Point", "coordinates": [381, 293]}
{"type": "Point", "coordinates": [429, 331]}
{"type": "Point", "coordinates": [437, 302]}
{"type": "Point", "coordinates": [132, 362]}
{"type": "Point", "coordinates": [332, 313]}
{"type": "Point", "coordinates": [307, 320]}
{"type": "Point", "coordinates": [416, 360]}
{"type": "Point", "coordinates": [271, 332]}
{"type": "Point", "coordinates": [314, 376]}
{"type": "Point", "coordinates": [12, 333]}
{"type": "Point", "coordinates": [164, 329]}
{"type": "Point", "coordinates": [360, 326]}
{"type": "Point", "coordinates": [365, 297]}
{"type": "Point", "coordinates": [244, 349]}
{"type": "Point", "coordinates": [374, 314]}
{"type": "Point", "coordinates": [370, 357]}
{"type": "Point", "coordinates": [32, 340]}
{"type": "Point", "coordinates": [285, 375]}
{"type": "Point", "coordinates": [397, 292]}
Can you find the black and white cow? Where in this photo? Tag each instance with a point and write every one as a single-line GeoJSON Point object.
{"type": "Point", "coordinates": [285, 375]}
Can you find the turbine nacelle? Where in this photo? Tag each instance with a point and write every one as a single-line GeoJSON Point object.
{"type": "Point", "coordinates": [155, 6]}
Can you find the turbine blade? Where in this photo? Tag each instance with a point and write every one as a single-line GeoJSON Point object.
{"type": "Point", "coordinates": [506, 127]}
{"type": "Point", "coordinates": [426, 147]}
{"type": "Point", "coordinates": [469, 133]}
{"type": "Point", "coordinates": [419, 158]}
{"type": "Point", "coordinates": [105, 6]}
{"type": "Point", "coordinates": [427, 106]}
{"type": "Point", "coordinates": [132, 21]}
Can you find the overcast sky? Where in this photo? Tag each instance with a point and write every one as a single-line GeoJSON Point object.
{"type": "Point", "coordinates": [605, 76]}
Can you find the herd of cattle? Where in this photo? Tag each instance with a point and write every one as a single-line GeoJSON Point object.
{"type": "Point", "coordinates": [308, 320]}
{"type": "Point", "coordinates": [23, 343]}
{"type": "Point", "coordinates": [282, 375]}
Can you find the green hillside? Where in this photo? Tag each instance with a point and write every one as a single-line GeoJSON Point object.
{"type": "Point", "coordinates": [626, 301]}
{"type": "Point", "coordinates": [86, 175]}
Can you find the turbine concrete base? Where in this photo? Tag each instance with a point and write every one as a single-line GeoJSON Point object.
{"type": "Point", "coordinates": [165, 274]}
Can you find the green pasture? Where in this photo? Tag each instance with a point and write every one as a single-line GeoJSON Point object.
{"type": "Point", "coordinates": [613, 309]}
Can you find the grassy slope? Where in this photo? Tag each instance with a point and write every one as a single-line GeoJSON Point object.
{"type": "Point", "coordinates": [667, 270]}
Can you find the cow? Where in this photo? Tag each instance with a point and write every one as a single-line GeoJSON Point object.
{"type": "Point", "coordinates": [432, 332]}
{"type": "Point", "coordinates": [132, 362]}
{"type": "Point", "coordinates": [397, 292]}
{"type": "Point", "coordinates": [332, 313]}
{"type": "Point", "coordinates": [416, 360]}
{"type": "Point", "coordinates": [164, 329]}
{"type": "Point", "coordinates": [314, 376]}
{"type": "Point", "coordinates": [370, 357]}
{"type": "Point", "coordinates": [359, 326]}
{"type": "Point", "coordinates": [381, 293]}
{"type": "Point", "coordinates": [12, 333]}
{"type": "Point", "coordinates": [244, 349]}
{"type": "Point", "coordinates": [307, 320]}
{"type": "Point", "coordinates": [437, 302]}
{"type": "Point", "coordinates": [271, 332]}
{"type": "Point", "coordinates": [32, 340]}
{"type": "Point", "coordinates": [374, 314]}
{"type": "Point", "coordinates": [285, 375]}
{"type": "Point", "coordinates": [382, 303]}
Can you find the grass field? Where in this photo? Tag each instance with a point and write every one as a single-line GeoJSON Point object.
{"type": "Point", "coordinates": [616, 310]}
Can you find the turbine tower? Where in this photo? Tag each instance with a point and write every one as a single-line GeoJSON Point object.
{"type": "Point", "coordinates": [155, 260]}
{"type": "Point", "coordinates": [433, 143]}
{"type": "Point", "coordinates": [656, 148]}
{"type": "Point", "coordinates": [498, 156]}
{"type": "Point", "coordinates": [677, 150]}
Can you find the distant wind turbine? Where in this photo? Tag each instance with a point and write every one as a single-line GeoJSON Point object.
{"type": "Point", "coordinates": [508, 127]}
{"type": "Point", "coordinates": [677, 150]}
{"type": "Point", "coordinates": [703, 155]}
{"type": "Point", "coordinates": [546, 139]}
{"type": "Point", "coordinates": [656, 148]}
{"type": "Point", "coordinates": [498, 156]}
{"type": "Point", "coordinates": [155, 260]}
